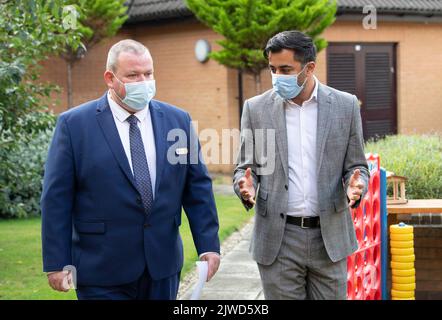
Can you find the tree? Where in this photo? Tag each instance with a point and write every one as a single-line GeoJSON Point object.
{"type": "Point", "coordinates": [96, 20]}
{"type": "Point", "coordinates": [31, 31]}
{"type": "Point", "coordinates": [248, 24]}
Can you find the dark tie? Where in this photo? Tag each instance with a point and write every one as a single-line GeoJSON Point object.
{"type": "Point", "coordinates": [139, 164]}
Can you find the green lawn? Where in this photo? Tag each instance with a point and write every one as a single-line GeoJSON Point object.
{"type": "Point", "coordinates": [21, 275]}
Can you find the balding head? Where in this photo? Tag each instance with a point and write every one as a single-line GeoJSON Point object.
{"type": "Point", "coordinates": [124, 46]}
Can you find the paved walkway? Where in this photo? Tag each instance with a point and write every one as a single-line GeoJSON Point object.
{"type": "Point", "coordinates": [237, 277]}
{"type": "Point", "coordinates": [223, 189]}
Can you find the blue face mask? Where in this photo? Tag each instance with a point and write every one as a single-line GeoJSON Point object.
{"type": "Point", "coordinates": [138, 94]}
{"type": "Point", "coordinates": [286, 85]}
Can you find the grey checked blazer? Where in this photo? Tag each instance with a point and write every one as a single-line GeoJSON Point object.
{"type": "Point", "coordinates": [340, 150]}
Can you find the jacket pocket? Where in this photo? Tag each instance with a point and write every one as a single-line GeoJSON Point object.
{"type": "Point", "coordinates": [90, 227]}
{"type": "Point", "coordinates": [261, 202]}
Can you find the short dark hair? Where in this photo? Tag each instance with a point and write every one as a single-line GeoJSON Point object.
{"type": "Point", "coordinates": [302, 45]}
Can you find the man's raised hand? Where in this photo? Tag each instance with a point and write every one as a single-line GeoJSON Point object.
{"type": "Point", "coordinates": [246, 188]}
{"type": "Point", "coordinates": [355, 187]}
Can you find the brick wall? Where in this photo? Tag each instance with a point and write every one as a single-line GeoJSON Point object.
{"type": "Point", "coordinates": [201, 89]}
{"type": "Point", "coordinates": [428, 251]}
{"type": "Point", "coordinates": [209, 91]}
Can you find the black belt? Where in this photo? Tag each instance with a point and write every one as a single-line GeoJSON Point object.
{"type": "Point", "coordinates": [303, 222]}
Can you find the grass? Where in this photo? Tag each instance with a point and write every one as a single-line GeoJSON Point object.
{"type": "Point", "coordinates": [21, 275]}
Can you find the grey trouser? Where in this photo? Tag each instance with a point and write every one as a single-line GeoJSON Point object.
{"type": "Point", "coordinates": [303, 270]}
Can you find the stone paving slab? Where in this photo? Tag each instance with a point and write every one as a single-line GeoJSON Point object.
{"type": "Point", "coordinates": [238, 275]}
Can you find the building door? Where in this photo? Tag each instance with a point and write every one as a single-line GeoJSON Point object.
{"type": "Point", "coordinates": [368, 71]}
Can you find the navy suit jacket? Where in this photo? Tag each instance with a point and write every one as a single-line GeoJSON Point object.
{"type": "Point", "coordinates": [92, 214]}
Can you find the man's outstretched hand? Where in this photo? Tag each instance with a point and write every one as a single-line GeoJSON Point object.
{"type": "Point", "coordinates": [246, 188]}
{"type": "Point", "coordinates": [355, 187]}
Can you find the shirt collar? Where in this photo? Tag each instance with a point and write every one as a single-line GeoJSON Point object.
{"type": "Point", "coordinates": [122, 114]}
{"type": "Point", "coordinates": [314, 95]}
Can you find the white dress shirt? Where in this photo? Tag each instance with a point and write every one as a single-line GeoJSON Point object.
{"type": "Point", "coordinates": [146, 129]}
{"type": "Point", "coordinates": [301, 137]}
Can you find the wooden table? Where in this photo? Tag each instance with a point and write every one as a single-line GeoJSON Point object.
{"type": "Point", "coordinates": [415, 206]}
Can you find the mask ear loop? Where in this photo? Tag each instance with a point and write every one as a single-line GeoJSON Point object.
{"type": "Point", "coordinates": [305, 80]}
{"type": "Point", "coordinates": [116, 91]}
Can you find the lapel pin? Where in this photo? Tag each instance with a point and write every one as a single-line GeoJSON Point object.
{"type": "Point", "coordinates": [180, 151]}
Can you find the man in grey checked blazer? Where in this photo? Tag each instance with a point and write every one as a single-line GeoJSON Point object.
{"type": "Point", "coordinates": [303, 190]}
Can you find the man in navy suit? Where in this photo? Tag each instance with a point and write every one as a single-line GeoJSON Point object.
{"type": "Point", "coordinates": [114, 187]}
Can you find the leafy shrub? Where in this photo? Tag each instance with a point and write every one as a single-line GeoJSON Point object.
{"type": "Point", "coordinates": [21, 169]}
{"type": "Point", "coordinates": [417, 157]}
{"type": "Point", "coordinates": [31, 31]}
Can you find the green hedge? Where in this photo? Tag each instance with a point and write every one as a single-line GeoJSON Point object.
{"type": "Point", "coordinates": [22, 167]}
{"type": "Point", "coordinates": [417, 157]}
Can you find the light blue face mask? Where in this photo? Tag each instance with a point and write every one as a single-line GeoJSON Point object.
{"type": "Point", "coordinates": [286, 85]}
{"type": "Point", "coordinates": [138, 94]}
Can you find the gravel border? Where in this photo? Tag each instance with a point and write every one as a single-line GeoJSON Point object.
{"type": "Point", "coordinates": [228, 244]}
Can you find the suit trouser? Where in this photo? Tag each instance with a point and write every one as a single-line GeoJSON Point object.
{"type": "Point", "coordinates": [303, 269]}
{"type": "Point", "coordinates": [145, 288]}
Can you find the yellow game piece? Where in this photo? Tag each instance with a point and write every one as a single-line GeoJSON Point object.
{"type": "Point", "coordinates": [401, 244]}
{"type": "Point", "coordinates": [397, 228]}
{"type": "Point", "coordinates": [401, 236]}
{"type": "Point", "coordinates": [402, 265]}
{"type": "Point", "coordinates": [403, 280]}
{"type": "Point", "coordinates": [409, 258]}
{"type": "Point", "coordinates": [402, 251]}
{"type": "Point", "coordinates": [403, 273]}
{"type": "Point", "coordinates": [402, 294]}
{"type": "Point", "coordinates": [404, 286]}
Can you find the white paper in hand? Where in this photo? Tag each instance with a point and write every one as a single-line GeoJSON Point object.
{"type": "Point", "coordinates": [67, 281]}
{"type": "Point", "coordinates": [70, 278]}
{"type": "Point", "coordinates": [203, 269]}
